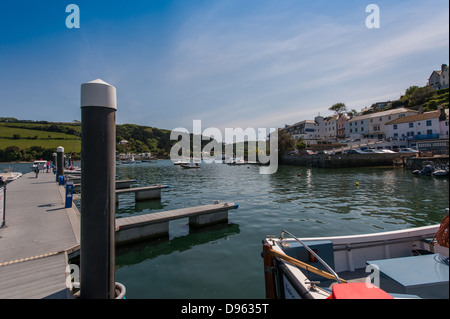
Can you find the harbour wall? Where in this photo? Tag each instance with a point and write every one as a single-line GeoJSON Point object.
{"type": "Point", "coordinates": [414, 163]}
{"type": "Point", "coordinates": [340, 160]}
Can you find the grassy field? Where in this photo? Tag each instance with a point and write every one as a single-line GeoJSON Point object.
{"type": "Point", "coordinates": [11, 135]}
{"type": "Point", "coordinates": [23, 144]}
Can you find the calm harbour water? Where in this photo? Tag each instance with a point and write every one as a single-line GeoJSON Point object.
{"type": "Point", "coordinates": [225, 261]}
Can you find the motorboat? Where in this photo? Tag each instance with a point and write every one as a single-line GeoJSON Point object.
{"type": "Point", "coordinates": [195, 165]}
{"type": "Point", "coordinates": [441, 170]}
{"type": "Point", "coordinates": [129, 160]}
{"type": "Point", "coordinates": [181, 162]}
{"type": "Point", "coordinates": [401, 264]}
{"type": "Point", "coordinates": [41, 164]}
{"type": "Point", "coordinates": [8, 175]}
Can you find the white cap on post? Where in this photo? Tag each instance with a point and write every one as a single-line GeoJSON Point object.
{"type": "Point", "coordinates": [98, 93]}
{"type": "Point", "coordinates": [60, 149]}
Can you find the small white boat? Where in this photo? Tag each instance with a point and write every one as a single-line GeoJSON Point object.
{"type": "Point", "coordinates": [440, 172]}
{"type": "Point", "coordinates": [8, 175]}
{"type": "Point", "coordinates": [129, 161]}
{"type": "Point", "coordinates": [195, 165]}
{"type": "Point", "coordinates": [397, 264]}
{"type": "Point", "coordinates": [41, 164]}
{"type": "Point", "coordinates": [181, 162]}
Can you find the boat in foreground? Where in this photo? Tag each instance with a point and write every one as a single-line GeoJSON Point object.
{"type": "Point", "coordinates": [409, 263]}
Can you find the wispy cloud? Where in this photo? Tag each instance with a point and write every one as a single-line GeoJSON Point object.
{"type": "Point", "coordinates": [244, 67]}
{"type": "Point", "coordinates": [235, 63]}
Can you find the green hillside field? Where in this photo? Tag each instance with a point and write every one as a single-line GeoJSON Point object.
{"type": "Point", "coordinates": [10, 135]}
{"type": "Point", "coordinates": [26, 141]}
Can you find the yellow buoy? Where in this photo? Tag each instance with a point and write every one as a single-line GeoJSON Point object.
{"type": "Point", "coordinates": [357, 183]}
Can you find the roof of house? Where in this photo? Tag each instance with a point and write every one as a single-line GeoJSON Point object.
{"type": "Point", "coordinates": [417, 117]}
{"type": "Point", "coordinates": [384, 113]}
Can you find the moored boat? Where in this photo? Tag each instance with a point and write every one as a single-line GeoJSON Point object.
{"type": "Point", "coordinates": [8, 175]}
{"type": "Point", "coordinates": [181, 162]}
{"type": "Point", "coordinates": [409, 263]}
{"type": "Point", "coordinates": [195, 165]}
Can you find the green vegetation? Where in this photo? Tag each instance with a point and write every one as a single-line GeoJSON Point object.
{"type": "Point", "coordinates": [338, 108]}
{"type": "Point", "coordinates": [28, 140]}
{"type": "Point", "coordinates": [286, 143]}
{"type": "Point", "coordinates": [143, 139]}
{"type": "Point", "coordinates": [424, 97]}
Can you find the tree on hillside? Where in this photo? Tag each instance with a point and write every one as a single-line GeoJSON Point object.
{"type": "Point", "coordinates": [286, 142]}
{"type": "Point", "coordinates": [300, 144]}
{"type": "Point", "coordinates": [338, 108]}
{"type": "Point", "coordinates": [352, 112]}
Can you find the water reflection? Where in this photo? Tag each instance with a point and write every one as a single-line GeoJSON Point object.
{"type": "Point", "coordinates": [135, 253]}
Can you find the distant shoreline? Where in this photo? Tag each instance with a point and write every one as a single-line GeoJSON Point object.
{"type": "Point", "coordinates": [18, 162]}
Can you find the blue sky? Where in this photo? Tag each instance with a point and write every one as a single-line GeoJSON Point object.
{"type": "Point", "coordinates": [229, 63]}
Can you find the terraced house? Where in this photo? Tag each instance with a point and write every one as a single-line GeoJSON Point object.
{"type": "Point", "coordinates": [430, 127]}
{"type": "Point", "coordinates": [372, 126]}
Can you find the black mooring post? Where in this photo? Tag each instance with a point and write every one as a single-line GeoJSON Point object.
{"type": "Point", "coordinates": [59, 162]}
{"type": "Point", "coordinates": [98, 170]}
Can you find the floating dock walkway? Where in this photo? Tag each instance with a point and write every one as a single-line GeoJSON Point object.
{"type": "Point", "coordinates": [40, 235]}
{"type": "Point", "coordinates": [137, 228]}
{"type": "Point", "coordinates": [33, 244]}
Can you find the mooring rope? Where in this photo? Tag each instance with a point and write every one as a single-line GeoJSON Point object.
{"type": "Point", "coordinates": [441, 235]}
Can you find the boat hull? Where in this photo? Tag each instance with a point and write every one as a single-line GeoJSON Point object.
{"type": "Point", "coordinates": [350, 257]}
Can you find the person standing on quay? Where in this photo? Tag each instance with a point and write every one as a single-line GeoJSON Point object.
{"type": "Point", "coordinates": [36, 170]}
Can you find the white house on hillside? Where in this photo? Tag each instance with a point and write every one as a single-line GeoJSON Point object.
{"type": "Point", "coordinates": [425, 126]}
{"type": "Point", "coordinates": [372, 126]}
{"type": "Point", "coordinates": [308, 130]}
{"type": "Point", "coordinates": [439, 79]}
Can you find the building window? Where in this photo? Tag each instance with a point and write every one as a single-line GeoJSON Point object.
{"type": "Point", "coordinates": [429, 132]}
{"type": "Point", "coordinates": [428, 122]}
{"type": "Point", "coordinates": [395, 134]}
{"type": "Point", "coordinates": [411, 124]}
{"type": "Point", "coordinates": [395, 126]}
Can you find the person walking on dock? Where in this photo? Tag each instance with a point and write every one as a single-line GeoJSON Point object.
{"type": "Point", "coordinates": [36, 170]}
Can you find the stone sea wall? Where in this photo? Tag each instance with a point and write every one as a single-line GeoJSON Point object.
{"type": "Point", "coordinates": [340, 160]}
